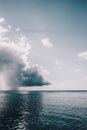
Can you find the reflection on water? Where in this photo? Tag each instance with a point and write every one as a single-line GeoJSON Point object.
{"type": "Point", "coordinates": [43, 111]}
{"type": "Point", "coordinates": [21, 111]}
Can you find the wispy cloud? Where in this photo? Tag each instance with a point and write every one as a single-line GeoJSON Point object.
{"type": "Point", "coordinates": [3, 31]}
{"type": "Point", "coordinates": [2, 20]}
{"type": "Point", "coordinates": [83, 55]}
{"type": "Point", "coordinates": [17, 29]}
{"type": "Point", "coordinates": [46, 42]}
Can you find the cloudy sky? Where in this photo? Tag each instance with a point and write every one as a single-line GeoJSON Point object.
{"type": "Point", "coordinates": [57, 34]}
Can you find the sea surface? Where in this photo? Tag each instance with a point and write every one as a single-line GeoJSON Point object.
{"type": "Point", "coordinates": [43, 110]}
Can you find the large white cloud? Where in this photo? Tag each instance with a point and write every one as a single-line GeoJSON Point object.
{"type": "Point", "coordinates": [14, 61]}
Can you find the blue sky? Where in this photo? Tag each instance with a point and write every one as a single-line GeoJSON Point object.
{"type": "Point", "coordinates": [58, 31]}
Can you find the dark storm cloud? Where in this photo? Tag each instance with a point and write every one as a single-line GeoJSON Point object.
{"type": "Point", "coordinates": [32, 77]}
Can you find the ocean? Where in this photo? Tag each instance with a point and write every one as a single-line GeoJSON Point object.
{"type": "Point", "coordinates": [43, 110]}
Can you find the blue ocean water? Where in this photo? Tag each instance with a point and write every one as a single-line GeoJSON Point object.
{"type": "Point", "coordinates": [43, 111]}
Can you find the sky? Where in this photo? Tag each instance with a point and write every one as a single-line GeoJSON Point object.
{"type": "Point", "coordinates": [57, 34]}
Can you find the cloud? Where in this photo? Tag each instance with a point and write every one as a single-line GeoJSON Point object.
{"type": "Point", "coordinates": [15, 68]}
{"type": "Point", "coordinates": [17, 29]}
{"type": "Point", "coordinates": [24, 48]}
{"type": "Point", "coordinates": [83, 55]}
{"type": "Point", "coordinates": [32, 77]}
{"type": "Point", "coordinates": [13, 65]}
{"type": "Point", "coordinates": [3, 31]}
{"type": "Point", "coordinates": [9, 26]}
{"type": "Point", "coordinates": [8, 58]}
{"type": "Point", "coordinates": [41, 69]}
{"type": "Point", "coordinates": [10, 66]}
{"type": "Point", "coordinates": [46, 42]}
{"type": "Point", "coordinates": [2, 20]}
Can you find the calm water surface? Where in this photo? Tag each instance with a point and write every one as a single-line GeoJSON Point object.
{"type": "Point", "coordinates": [43, 111]}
